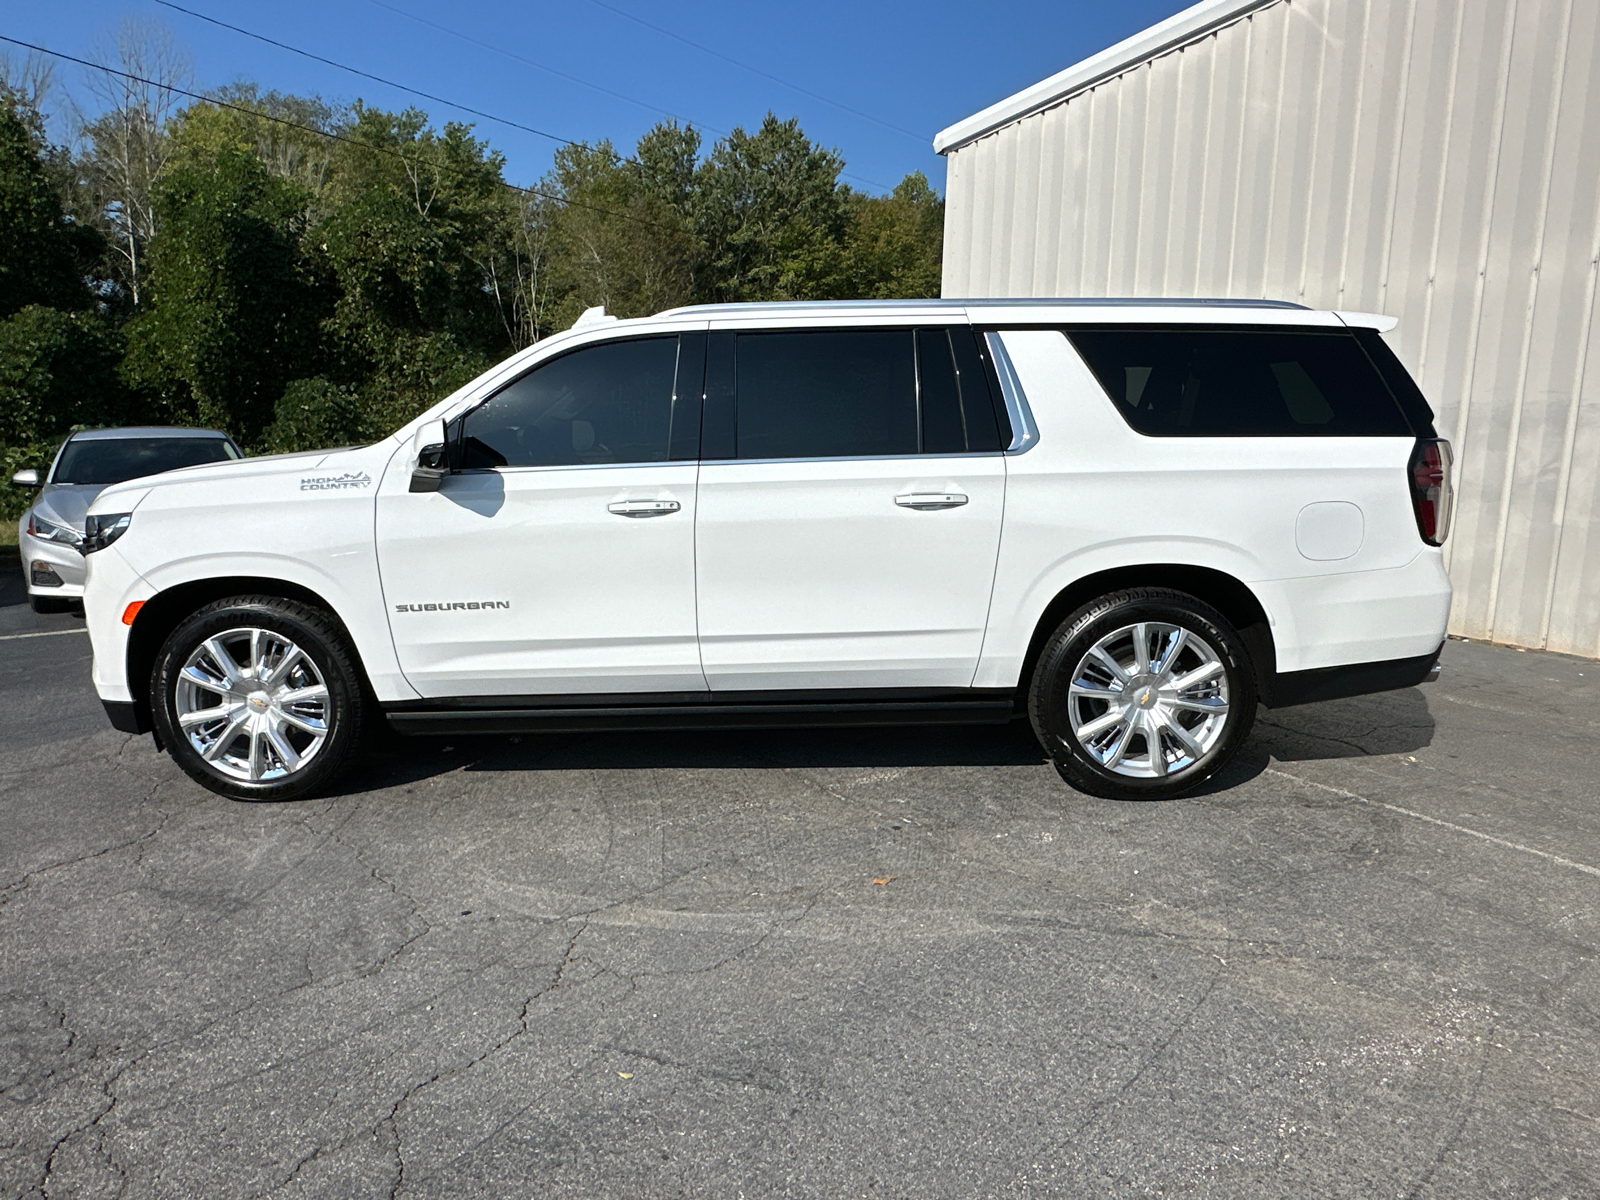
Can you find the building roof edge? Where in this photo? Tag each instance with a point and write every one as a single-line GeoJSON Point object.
{"type": "Point", "coordinates": [1189, 25]}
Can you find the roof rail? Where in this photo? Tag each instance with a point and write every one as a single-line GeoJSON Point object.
{"type": "Point", "coordinates": [983, 302]}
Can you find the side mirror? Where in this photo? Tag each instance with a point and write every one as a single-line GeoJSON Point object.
{"type": "Point", "coordinates": [430, 465]}
{"type": "Point", "coordinates": [28, 478]}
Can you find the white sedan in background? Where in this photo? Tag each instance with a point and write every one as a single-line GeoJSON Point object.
{"type": "Point", "coordinates": [50, 534]}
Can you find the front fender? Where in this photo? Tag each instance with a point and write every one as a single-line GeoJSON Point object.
{"type": "Point", "coordinates": [357, 602]}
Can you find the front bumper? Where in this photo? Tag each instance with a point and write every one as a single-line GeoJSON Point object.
{"type": "Point", "coordinates": [45, 559]}
{"type": "Point", "coordinates": [112, 585]}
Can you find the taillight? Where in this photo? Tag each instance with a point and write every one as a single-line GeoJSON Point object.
{"type": "Point", "coordinates": [1432, 495]}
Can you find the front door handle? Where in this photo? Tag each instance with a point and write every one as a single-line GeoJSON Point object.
{"type": "Point", "coordinates": [928, 501]}
{"type": "Point", "coordinates": [643, 508]}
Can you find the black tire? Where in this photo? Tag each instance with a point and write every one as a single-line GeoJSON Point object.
{"type": "Point", "coordinates": [1048, 699]}
{"type": "Point", "coordinates": [322, 639]}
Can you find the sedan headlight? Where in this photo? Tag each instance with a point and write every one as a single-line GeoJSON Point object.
{"type": "Point", "coordinates": [49, 531]}
{"type": "Point", "coordinates": [100, 531]}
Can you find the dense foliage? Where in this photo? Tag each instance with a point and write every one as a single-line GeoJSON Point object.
{"type": "Point", "coordinates": [303, 276]}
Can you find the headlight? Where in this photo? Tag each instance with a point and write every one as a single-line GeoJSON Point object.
{"type": "Point", "coordinates": [49, 531]}
{"type": "Point", "coordinates": [100, 531]}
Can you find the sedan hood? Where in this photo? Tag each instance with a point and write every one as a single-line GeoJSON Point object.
{"type": "Point", "coordinates": [66, 503]}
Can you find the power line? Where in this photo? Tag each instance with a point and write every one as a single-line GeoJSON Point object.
{"type": "Point", "coordinates": [477, 112]}
{"type": "Point", "coordinates": [335, 137]}
{"type": "Point", "coordinates": [678, 37]}
{"type": "Point", "coordinates": [504, 53]}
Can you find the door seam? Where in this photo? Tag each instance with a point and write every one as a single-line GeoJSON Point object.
{"type": "Point", "coordinates": [999, 545]}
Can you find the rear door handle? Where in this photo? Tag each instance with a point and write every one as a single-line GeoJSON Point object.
{"type": "Point", "coordinates": [643, 508]}
{"type": "Point", "coordinates": [927, 501]}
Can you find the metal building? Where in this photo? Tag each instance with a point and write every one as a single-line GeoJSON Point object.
{"type": "Point", "coordinates": [1436, 160]}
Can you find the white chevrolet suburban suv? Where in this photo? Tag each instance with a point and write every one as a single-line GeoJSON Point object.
{"type": "Point", "coordinates": [1128, 521]}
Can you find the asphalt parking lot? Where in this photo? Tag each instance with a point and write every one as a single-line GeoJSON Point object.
{"type": "Point", "coordinates": [882, 964]}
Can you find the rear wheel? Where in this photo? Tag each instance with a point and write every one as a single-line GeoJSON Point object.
{"type": "Point", "coordinates": [1142, 695]}
{"type": "Point", "coordinates": [258, 698]}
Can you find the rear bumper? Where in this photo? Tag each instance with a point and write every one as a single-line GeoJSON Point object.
{"type": "Point", "coordinates": [1356, 679]}
{"type": "Point", "coordinates": [1358, 618]}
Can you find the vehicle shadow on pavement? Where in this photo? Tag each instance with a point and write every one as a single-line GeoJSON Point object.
{"type": "Point", "coordinates": [1358, 727]}
{"type": "Point", "coordinates": [1390, 723]}
{"type": "Point", "coordinates": [403, 760]}
{"type": "Point", "coordinates": [1361, 726]}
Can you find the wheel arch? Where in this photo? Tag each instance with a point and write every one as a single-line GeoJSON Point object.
{"type": "Point", "coordinates": [1227, 594]}
{"type": "Point", "coordinates": [160, 615]}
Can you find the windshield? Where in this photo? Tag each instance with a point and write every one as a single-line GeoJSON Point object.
{"type": "Point", "coordinates": [104, 461]}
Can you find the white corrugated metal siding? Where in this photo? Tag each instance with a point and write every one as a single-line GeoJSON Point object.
{"type": "Point", "coordinates": [1437, 160]}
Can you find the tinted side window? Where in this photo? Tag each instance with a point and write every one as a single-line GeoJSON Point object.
{"type": "Point", "coordinates": [957, 413]}
{"type": "Point", "coordinates": [988, 426]}
{"type": "Point", "coordinates": [610, 403]}
{"type": "Point", "coordinates": [826, 394]}
{"type": "Point", "coordinates": [1226, 383]}
{"type": "Point", "coordinates": [1399, 379]}
{"type": "Point", "coordinates": [944, 429]}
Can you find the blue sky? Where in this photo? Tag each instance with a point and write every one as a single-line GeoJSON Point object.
{"type": "Point", "coordinates": [906, 68]}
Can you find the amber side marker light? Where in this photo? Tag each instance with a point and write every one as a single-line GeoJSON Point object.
{"type": "Point", "coordinates": [132, 611]}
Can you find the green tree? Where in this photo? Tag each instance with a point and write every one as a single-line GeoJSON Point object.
{"type": "Point", "coordinates": [316, 414]}
{"type": "Point", "coordinates": [769, 209]}
{"type": "Point", "coordinates": [57, 369]}
{"type": "Point", "coordinates": [664, 162]}
{"type": "Point", "coordinates": [416, 229]}
{"type": "Point", "coordinates": [287, 133]}
{"type": "Point", "coordinates": [44, 257]}
{"type": "Point", "coordinates": [619, 235]}
{"type": "Point", "coordinates": [58, 352]}
{"type": "Point", "coordinates": [896, 246]}
{"type": "Point", "coordinates": [232, 309]}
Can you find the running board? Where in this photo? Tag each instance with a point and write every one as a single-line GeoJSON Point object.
{"type": "Point", "coordinates": [990, 709]}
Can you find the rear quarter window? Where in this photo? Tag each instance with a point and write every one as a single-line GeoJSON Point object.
{"type": "Point", "coordinates": [1170, 382]}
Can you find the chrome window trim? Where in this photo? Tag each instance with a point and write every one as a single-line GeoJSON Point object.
{"type": "Point", "coordinates": [1024, 433]}
{"type": "Point", "coordinates": [832, 458]}
{"type": "Point", "coordinates": [731, 462]}
{"type": "Point", "coordinates": [604, 466]}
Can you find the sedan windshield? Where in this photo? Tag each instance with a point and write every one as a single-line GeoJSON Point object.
{"type": "Point", "coordinates": [103, 461]}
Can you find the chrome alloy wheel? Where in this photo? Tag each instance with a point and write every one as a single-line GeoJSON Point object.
{"type": "Point", "coordinates": [1149, 699]}
{"type": "Point", "coordinates": [253, 704]}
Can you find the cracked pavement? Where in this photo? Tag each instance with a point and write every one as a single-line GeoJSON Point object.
{"type": "Point", "coordinates": [888, 963]}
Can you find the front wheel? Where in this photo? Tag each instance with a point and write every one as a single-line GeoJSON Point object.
{"type": "Point", "coordinates": [258, 698]}
{"type": "Point", "coordinates": [1142, 695]}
